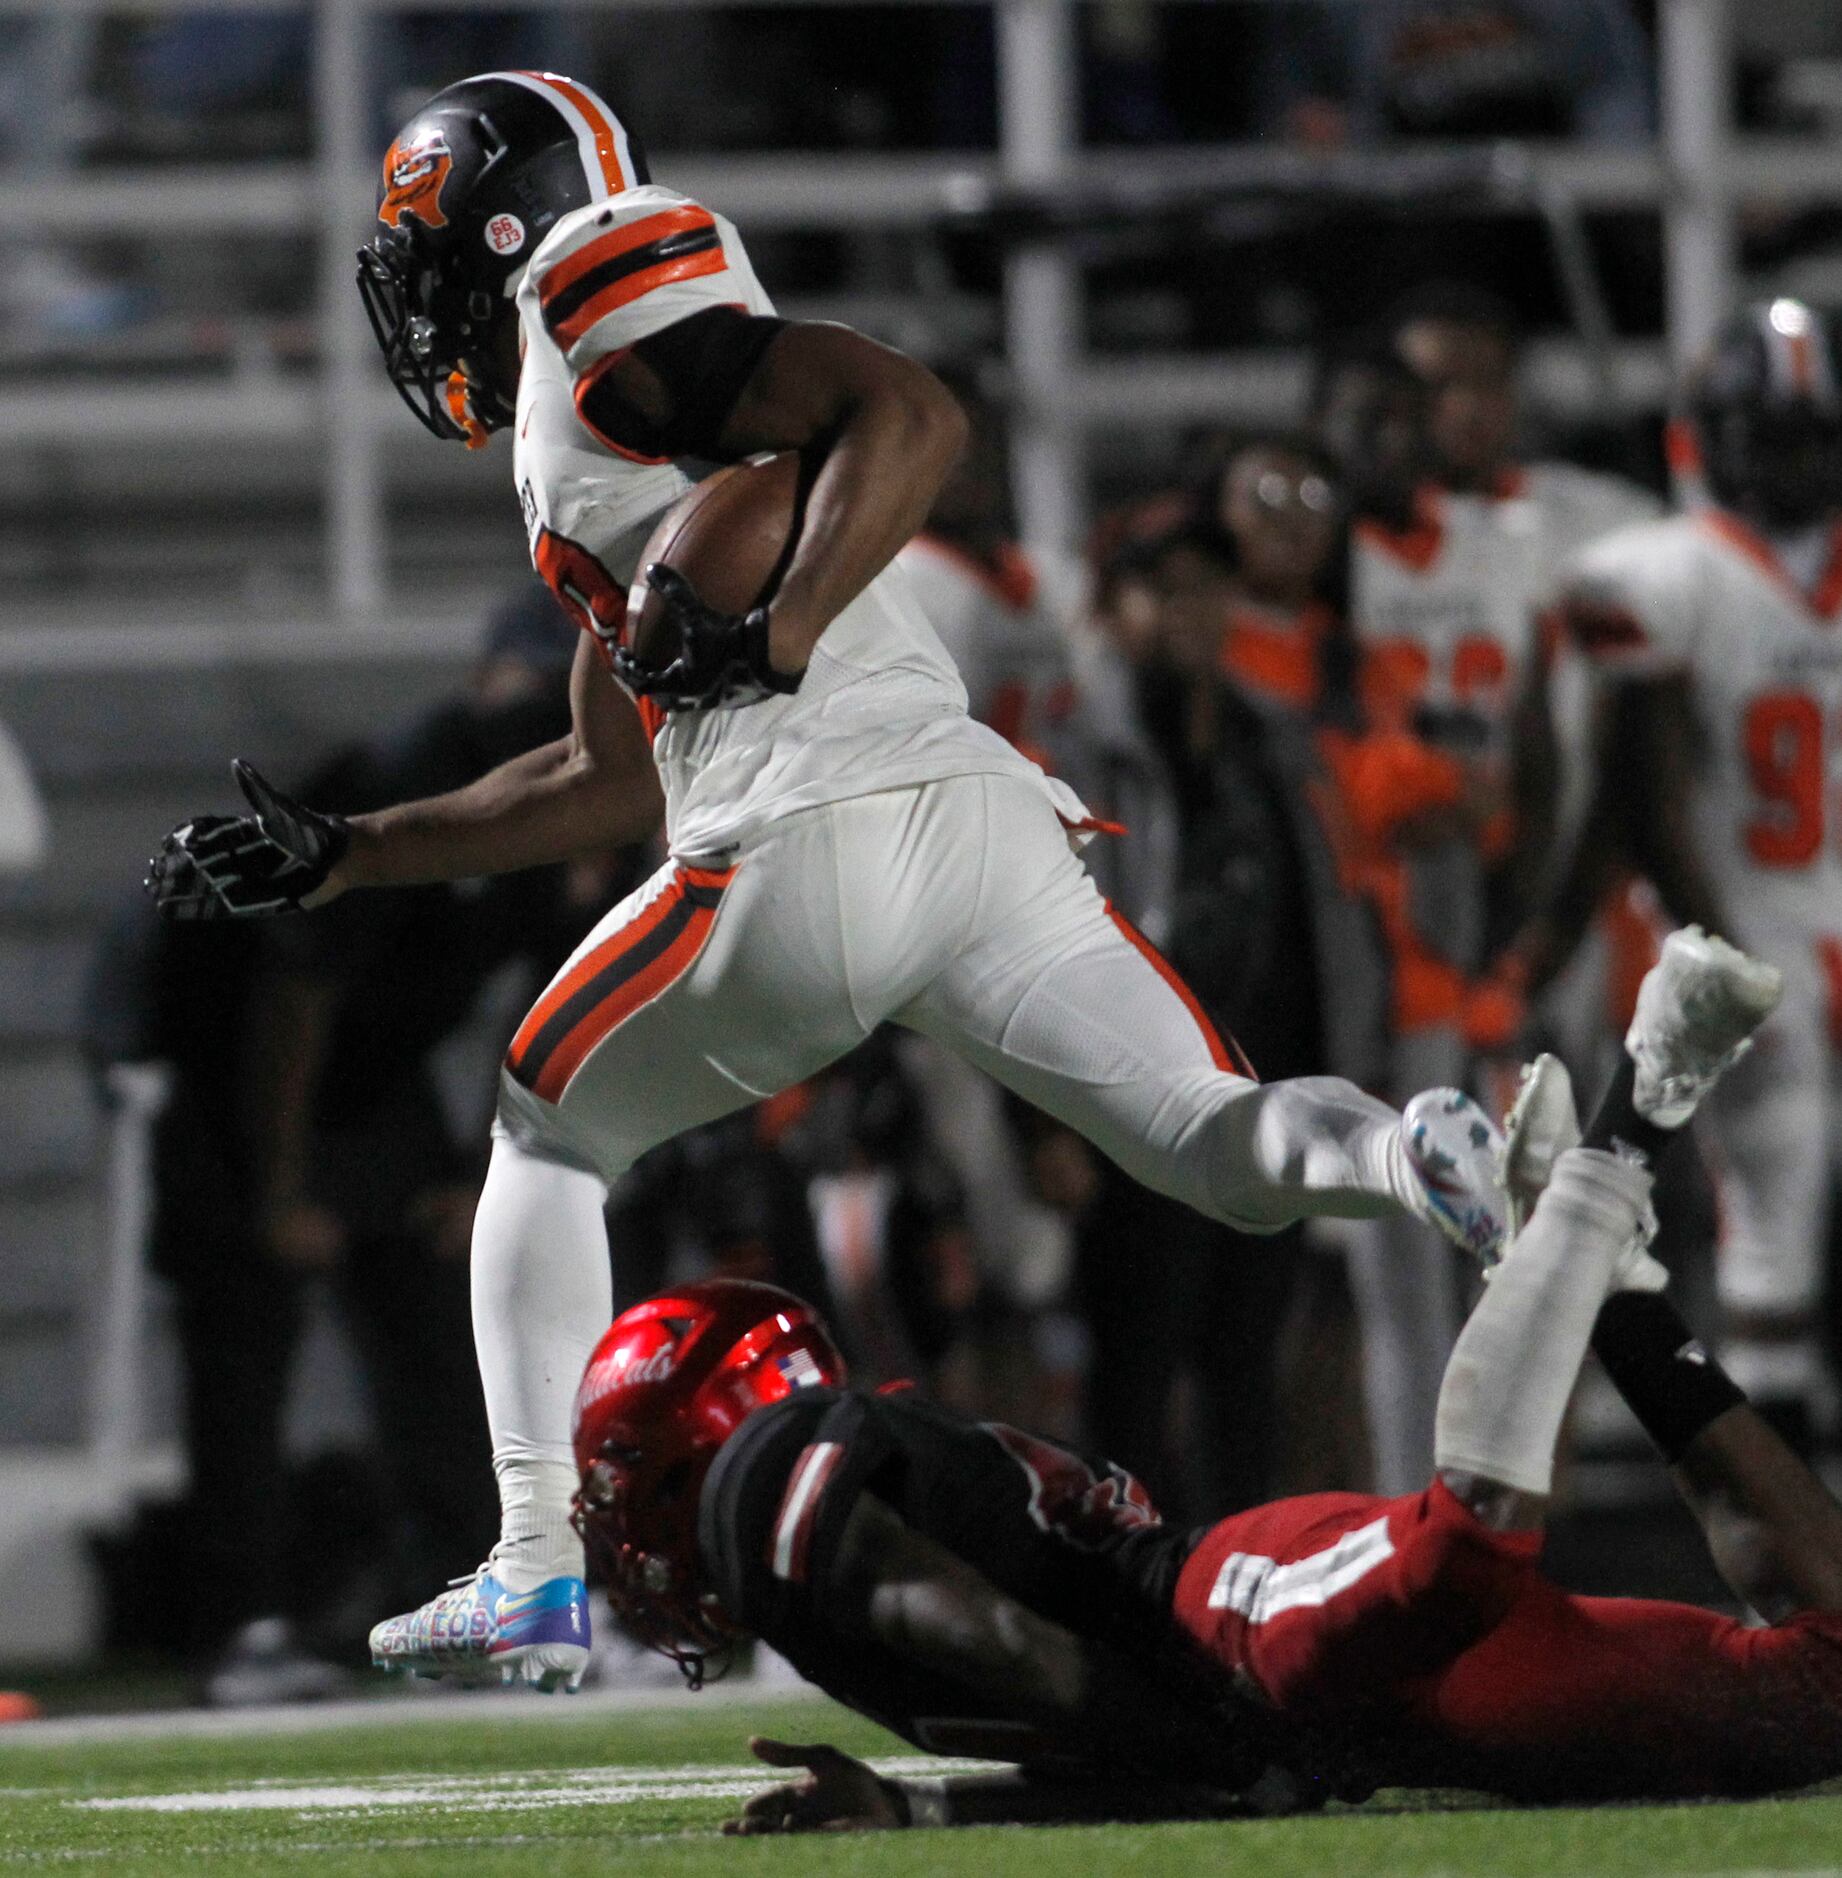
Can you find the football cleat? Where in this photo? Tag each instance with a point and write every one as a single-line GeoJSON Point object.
{"type": "Point", "coordinates": [1457, 1152]}
{"type": "Point", "coordinates": [479, 1631]}
{"type": "Point", "coordinates": [1542, 1125]}
{"type": "Point", "coordinates": [1696, 1011]}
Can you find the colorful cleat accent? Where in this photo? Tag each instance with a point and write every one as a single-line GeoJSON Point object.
{"type": "Point", "coordinates": [1457, 1151]}
{"type": "Point", "coordinates": [479, 1631]}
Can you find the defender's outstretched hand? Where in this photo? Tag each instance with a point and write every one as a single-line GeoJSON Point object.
{"type": "Point", "coordinates": [244, 866]}
{"type": "Point", "coordinates": [837, 1794]}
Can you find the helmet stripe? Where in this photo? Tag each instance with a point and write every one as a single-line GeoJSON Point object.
{"type": "Point", "coordinates": [607, 160]}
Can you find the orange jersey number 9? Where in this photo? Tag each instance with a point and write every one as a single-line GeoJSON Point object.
{"type": "Point", "coordinates": [1782, 733]}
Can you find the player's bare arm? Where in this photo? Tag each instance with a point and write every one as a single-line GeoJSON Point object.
{"type": "Point", "coordinates": [1773, 1529]}
{"type": "Point", "coordinates": [1638, 818]}
{"type": "Point", "coordinates": [881, 430]}
{"type": "Point", "coordinates": [594, 789]}
{"type": "Point", "coordinates": [1534, 783]}
{"type": "Point", "coordinates": [923, 1603]}
{"type": "Point", "coordinates": [1660, 733]}
{"type": "Point", "coordinates": [1600, 848]}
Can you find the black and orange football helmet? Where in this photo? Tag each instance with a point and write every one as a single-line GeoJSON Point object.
{"type": "Point", "coordinates": [471, 186]}
{"type": "Point", "coordinates": [1765, 408]}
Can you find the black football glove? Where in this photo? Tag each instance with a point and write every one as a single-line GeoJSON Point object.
{"type": "Point", "coordinates": [245, 866]}
{"type": "Point", "coordinates": [722, 657]}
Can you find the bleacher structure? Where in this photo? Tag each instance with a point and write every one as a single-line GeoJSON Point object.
{"type": "Point", "coordinates": [265, 558]}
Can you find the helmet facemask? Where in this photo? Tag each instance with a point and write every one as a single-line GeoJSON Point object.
{"type": "Point", "coordinates": [437, 339]}
{"type": "Point", "coordinates": [649, 1591]}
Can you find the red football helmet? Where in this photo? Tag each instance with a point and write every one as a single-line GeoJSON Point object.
{"type": "Point", "coordinates": [670, 1382]}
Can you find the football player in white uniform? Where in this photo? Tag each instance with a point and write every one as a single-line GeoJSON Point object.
{"type": "Point", "coordinates": [1725, 628]}
{"type": "Point", "coordinates": [847, 845]}
{"type": "Point", "coordinates": [1453, 573]}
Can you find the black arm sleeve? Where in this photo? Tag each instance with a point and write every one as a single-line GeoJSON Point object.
{"type": "Point", "coordinates": [704, 363]}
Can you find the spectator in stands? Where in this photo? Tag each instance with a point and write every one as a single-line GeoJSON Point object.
{"type": "Point", "coordinates": [307, 1140]}
{"type": "Point", "coordinates": [1260, 927]}
{"type": "Point", "coordinates": [1335, 72]}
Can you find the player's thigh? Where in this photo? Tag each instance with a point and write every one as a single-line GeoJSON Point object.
{"type": "Point", "coordinates": [1062, 1001]}
{"type": "Point", "coordinates": [1767, 1137]}
{"type": "Point", "coordinates": [1606, 1697]}
{"type": "Point", "coordinates": [704, 991]}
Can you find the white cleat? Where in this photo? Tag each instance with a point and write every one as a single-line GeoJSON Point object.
{"type": "Point", "coordinates": [480, 1631]}
{"type": "Point", "coordinates": [1457, 1151]}
{"type": "Point", "coordinates": [1541, 1126]}
{"type": "Point", "coordinates": [1696, 1011]}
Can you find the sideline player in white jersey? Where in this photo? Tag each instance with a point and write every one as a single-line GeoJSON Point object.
{"type": "Point", "coordinates": [1454, 567]}
{"type": "Point", "coordinates": [847, 845]}
{"type": "Point", "coordinates": [1725, 626]}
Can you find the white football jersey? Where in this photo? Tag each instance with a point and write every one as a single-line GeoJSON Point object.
{"type": "Point", "coordinates": [1462, 593]}
{"type": "Point", "coordinates": [1451, 603]}
{"type": "Point", "coordinates": [881, 705]}
{"type": "Point", "coordinates": [1704, 595]}
{"type": "Point", "coordinates": [999, 627]}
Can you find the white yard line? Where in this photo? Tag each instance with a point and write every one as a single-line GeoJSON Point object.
{"type": "Point", "coordinates": [439, 1705]}
{"type": "Point", "coordinates": [481, 1793]}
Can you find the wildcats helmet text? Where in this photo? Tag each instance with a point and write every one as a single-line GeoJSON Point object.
{"type": "Point", "coordinates": [413, 177]}
{"type": "Point", "coordinates": [619, 1370]}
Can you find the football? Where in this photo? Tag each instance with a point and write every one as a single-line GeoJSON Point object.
{"type": "Point", "coordinates": [731, 537]}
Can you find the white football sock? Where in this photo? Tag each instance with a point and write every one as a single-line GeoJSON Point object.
{"type": "Point", "coordinates": [542, 1296]}
{"type": "Point", "coordinates": [1516, 1360]}
{"type": "Point", "coordinates": [1283, 1151]}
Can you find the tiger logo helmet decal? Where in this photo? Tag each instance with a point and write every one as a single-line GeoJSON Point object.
{"type": "Point", "coordinates": [413, 177]}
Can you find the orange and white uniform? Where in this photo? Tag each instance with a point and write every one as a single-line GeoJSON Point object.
{"type": "Point", "coordinates": [881, 706]}
{"type": "Point", "coordinates": [1001, 624]}
{"type": "Point", "coordinates": [1449, 614]}
{"type": "Point", "coordinates": [1760, 640]}
{"type": "Point", "coordinates": [858, 852]}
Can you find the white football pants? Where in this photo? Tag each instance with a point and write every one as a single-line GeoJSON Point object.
{"type": "Point", "coordinates": [1770, 1134]}
{"type": "Point", "coordinates": [956, 908]}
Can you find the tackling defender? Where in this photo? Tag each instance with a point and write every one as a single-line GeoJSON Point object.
{"type": "Point", "coordinates": [847, 845]}
{"type": "Point", "coordinates": [980, 1591]}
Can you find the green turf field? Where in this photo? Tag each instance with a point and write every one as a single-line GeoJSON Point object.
{"type": "Point", "coordinates": [537, 1791]}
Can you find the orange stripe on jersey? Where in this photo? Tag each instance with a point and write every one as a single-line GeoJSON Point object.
{"type": "Point", "coordinates": [625, 286]}
{"type": "Point", "coordinates": [609, 984]}
{"type": "Point", "coordinates": [1226, 1055]}
{"type": "Point", "coordinates": [618, 242]}
{"type": "Point", "coordinates": [652, 716]}
{"type": "Point", "coordinates": [607, 145]}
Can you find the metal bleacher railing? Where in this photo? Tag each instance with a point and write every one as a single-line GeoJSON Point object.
{"type": "Point", "coordinates": [1695, 176]}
